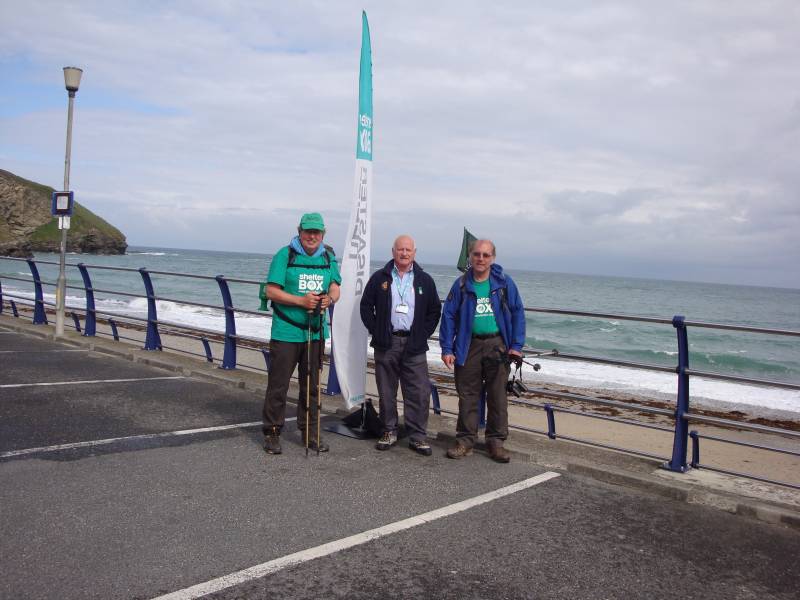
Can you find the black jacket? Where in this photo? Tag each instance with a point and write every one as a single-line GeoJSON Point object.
{"type": "Point", "coordinates": [376, 310]}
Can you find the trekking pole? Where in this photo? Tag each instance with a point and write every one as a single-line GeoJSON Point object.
{"type": "Point", "coordinates": [320, 354]}
{"type": "Point", "coordinates": [308, 380]}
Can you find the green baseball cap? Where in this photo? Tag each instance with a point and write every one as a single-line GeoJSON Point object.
{"type": "Point", "coordinates": [312, 221]}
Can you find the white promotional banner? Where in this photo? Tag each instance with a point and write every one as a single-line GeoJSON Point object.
{"type": "Point", "coordinates": [349, 334]}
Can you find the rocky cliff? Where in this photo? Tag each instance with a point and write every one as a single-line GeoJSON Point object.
{"type": "Point", "coordinates": [26, 225]}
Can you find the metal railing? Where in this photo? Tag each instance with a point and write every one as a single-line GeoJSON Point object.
{"type": "Point", "coordinates": [682, 415]}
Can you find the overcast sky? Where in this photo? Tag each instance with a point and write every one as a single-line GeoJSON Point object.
{"type": "Point", "coordinates": [647, 139]}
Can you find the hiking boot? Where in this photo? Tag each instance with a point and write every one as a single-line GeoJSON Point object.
{"type": "Point", "coordinates": [420, 447]}
{"type": "Point", "coordinates": [312, 444]}
{"type": "Point", "coordinates": [496, 451]}
{"type": "Point", "coordinates": [387, 440]}
{"type": "Point", "coordinates": [272, 441]}
{"type": "Point", "coordinates": [459, 451]}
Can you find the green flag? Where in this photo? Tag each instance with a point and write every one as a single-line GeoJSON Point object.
{"type": "Point", "coordinates": [466, 243]}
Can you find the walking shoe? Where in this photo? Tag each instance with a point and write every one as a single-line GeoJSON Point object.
{"type": "Point", "coordinates": [272, 441]}
{"type": "Point", "coordinates": [312, 444]}
{"type": "Point", "coordinates": [421, 447]}
{"type": "Point", "coordinates": [496, 451]}
{"type": "Point", "coordinates": [459, 451]}
{"type": "Point", "coordinates": [387, 440]}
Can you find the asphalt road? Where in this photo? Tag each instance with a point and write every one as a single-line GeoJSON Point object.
{"type": "Point", "coordinates": [153, 513]}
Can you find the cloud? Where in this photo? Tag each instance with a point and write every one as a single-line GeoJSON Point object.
{"type": "Point", "coordinates": [627, 137]}
{"type": "Point", "coordinates": [591, 206]}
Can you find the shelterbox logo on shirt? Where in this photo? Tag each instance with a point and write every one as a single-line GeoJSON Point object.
{"type": "Point", "coordinates": [484, 306]}
{"type": "Point", "coordinates": [310, 283]}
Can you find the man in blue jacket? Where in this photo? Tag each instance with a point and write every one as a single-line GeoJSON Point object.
{"type": "Point", "coordinates": [400, 308]}
{"type": "Point", "coordinates": [482, 331]}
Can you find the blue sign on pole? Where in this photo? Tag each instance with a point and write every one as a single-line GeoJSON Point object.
{"type": "Point", "coordinates": [62, 204]}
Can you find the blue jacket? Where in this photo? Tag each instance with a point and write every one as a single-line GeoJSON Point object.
{"type": "Point", "coordinates": [455, 331]}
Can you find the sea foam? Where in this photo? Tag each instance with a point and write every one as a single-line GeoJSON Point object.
{"type": "Point", "coordinates": [639, 382]}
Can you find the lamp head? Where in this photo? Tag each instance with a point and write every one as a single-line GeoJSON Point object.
{"type": "Point", "coordinates": [72, 78]}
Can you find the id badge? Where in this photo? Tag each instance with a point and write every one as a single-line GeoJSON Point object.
{"type": "Point", "coordinates": [402, 309]}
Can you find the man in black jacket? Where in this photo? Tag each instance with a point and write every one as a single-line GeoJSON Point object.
{"type": "Point", "coordinates": [401, 308]}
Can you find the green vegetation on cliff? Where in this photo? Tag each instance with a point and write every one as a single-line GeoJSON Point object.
{"type": "Point", "coordinates": [26, 224]}
{"type": "Point", "coordinates": [82, 222]}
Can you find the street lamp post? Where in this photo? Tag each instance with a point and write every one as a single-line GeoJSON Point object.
{"type": "Point", "coordinates": [72, 80]}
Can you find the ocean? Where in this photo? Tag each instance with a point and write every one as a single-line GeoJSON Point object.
{"type": "Point", "coordinates": [760, 356]}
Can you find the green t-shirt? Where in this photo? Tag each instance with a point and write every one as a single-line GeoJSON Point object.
{"type": "Point", "coordinates": [484, 322]}
{"type": "Point", "coordinates": [299, 281]}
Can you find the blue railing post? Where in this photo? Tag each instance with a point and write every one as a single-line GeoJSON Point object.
{"type": "Point", "coordinates": [153, 339]}
{"type": "Point", "coordinates": [1, 297]}
{"type": "Point", "coordinates": [482, 409]}
{"type": "Point", "coordinates": [681, 439]}
{"type": "Point", "coordinates": [333, 386]}
{"type": "Point", "coordinates": [437, 406]}
{"type": "Point", "coordinates": [695, 449]}
{"type": "Point", "coordinates": [229, 355]}
{"type": "Point", "coordinates": [39, 314]}
{"type": "Point", "coordinates": [114, 330]}
{"type": "Point", "coordinates": [267, 358]}
{"type": "Point", "coordinates": [551, 421]}
{"type": "Point", "coordinates": [207, 348]}
{"type": "Point", "coordinates": [90, 326]}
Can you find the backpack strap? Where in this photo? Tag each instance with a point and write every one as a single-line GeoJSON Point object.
{"type": "Point", "coordinates": [502, 291]}
{"type": "Point", "coordinates": [462, 282]}
{"type": "Point", "coordinates": [277, 310]}
{"type": "Point", "coordinates": [327, 254]}
{"type": "Point", "coordinates": [504, 299]}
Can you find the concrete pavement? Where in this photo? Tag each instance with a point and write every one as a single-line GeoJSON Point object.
{"type": "Point", "coordinates": [153, 512]}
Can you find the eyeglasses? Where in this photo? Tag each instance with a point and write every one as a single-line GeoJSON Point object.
{"type": "Point", "coordinates": [481, 254]}
{"type": "Point", "coordinates": [313, 231]}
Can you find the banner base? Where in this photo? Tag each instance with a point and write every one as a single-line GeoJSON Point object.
{"type": "Point", "coordinates": [359, 433]}
{"type": "Point", "coordinates": [362, 424]}
{"type": "Point", "coordinates": [353, 432]}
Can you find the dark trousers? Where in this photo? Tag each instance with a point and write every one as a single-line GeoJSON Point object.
{"type": "Point", "coordinates": [411, 372]}
{"type": "Point", "coordinates": [482, 367]}
{"type": "Point", "coordinates": [285, 356]}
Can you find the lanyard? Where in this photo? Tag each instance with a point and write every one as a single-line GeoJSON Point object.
{"type": "Point", "coordinates": [406, 281]}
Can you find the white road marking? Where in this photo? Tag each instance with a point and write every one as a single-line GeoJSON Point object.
{"type": "Point", "coordinates": [226, 581]}
{"type": "Point", "coordinates": [40, 351]}
{"type": "Point", "coordinates": [90, 381]}
{"type": "Point", "coordinates": [146, 436]}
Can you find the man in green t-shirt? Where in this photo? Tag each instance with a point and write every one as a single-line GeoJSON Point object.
{"type": "Point", "coordinates": [303, 276]}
